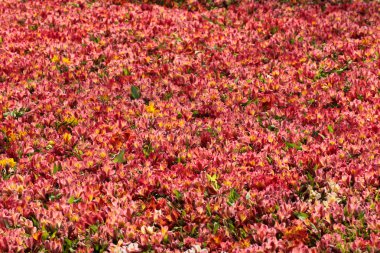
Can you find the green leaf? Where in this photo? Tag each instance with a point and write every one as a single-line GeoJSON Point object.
{"type": "Point", "coordinates": [293, 145]}
{"type": "Point", "coordinates": [216, 227]}
{"type": "Point", "coordinates": [94, 228]}
{"type": "Point", "coordinates": [273, 30]}
{"type": "Point", "coordinates": [119, 158]}
{"type": "Point", "coordinates": [212, 178]}
{"type": "Point", "coordinates": [57, 167]}
{"type": "Point", "coordinates": [71, 200]}
{"type": "Point", "coordinates": [330, 128]}
{"type": "Point", "coordinates": [361, 215]}
{"type": "Point", "coordinates": [33, 27]}
{"type": "Point", "coordinates": [301, 216]}
{"type": "Point", "coordinates": [178, 194]}
{"type": "Point", "coordinates": [69, 245]}
{"type": "Point", "coordinates": [147, 149]}
{"type": "Point", "coordinates": [135, 92]}
{"type": "Point", "coordinates": [94, 39]}
{"type": "Point", "coordinates": [45, 235]}
{"type": "Point", "coordinates": [16, 113]}
{"type": "Point", "coordinates": [168, 96]}
{"type": "Point", "coordinates": [74, 200]}
{"type": "Point", "coordinates": [250, 101]}
{"type": "Point", "coordinates": [35, 222]}
{"type": "Point", "coordinates": [126, 72]}
{"type": "Point", "coordinates": [233, 197]}
{"type": "Point", "coordinates": [195, 113]}
{"type": "Point", "coordinates": [345, 211]}
{"type": "Point", "coordinates": [53, 197]}
{"type": "Point", "coordinates": [269, 159]}
{"type": "Point", "coordinates": [272, 128]}
{"type": "Point", "coordinates": [208, 209]}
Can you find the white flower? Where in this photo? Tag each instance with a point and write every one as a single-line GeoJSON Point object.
{"type": "Point", "coordinates": [331, 198]}
{"type": "Point", "coordinates": [196, 249]}
{"type": "Point", "coordinates": [133, 247]}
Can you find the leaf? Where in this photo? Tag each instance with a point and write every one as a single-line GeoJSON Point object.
{"type": "Point", "coordinates": [16, 113]}
{"type": "Point", "coordinates": [74, 200]}
{"type": "Point", "coordinates": [301, 216]}
{"type": "Point", "coordinates": [233, 197]}
{"type": "Point", "coordinates": [361, 216]}
{"type": "Point", "coordinates": [135, 92]}
{"type": "Point", "coordinates": [57, 167]}
{"type": "Point", "coordinates": [45, 235]}
{"type": "Point", "coordinates": [212, 178]}
{"type": "Point", "coordinates": [293, 145]}
{"type": "Point", "coordinates": [178, 194]}
{"type": "Point", "coordinates": [208, 209]}
{"type": "Point", "coordinates": [269, 159]}
{"type": "Point", "coordinates": [53, 197]}
{"type": "Point", "coordinates": [195, 113]}
{"type": "Point", "coordinates": [33, 27]}
{"type": "Point", "coordinates": [330, 128]}
{"type": "Point", "coordinates": [119, 158]}
{"type": "Point", "coordinates": [168, 96]}
{"type": "Point", "coordinates": [94, 228]}
{"type": "Point", "coordinates": [34, 220]}
{"type": "Point", "coordinates": [71, 200]}
{"type": "Point", "coordinates": [147, 148]}
{"type": "Point", "coordinates": [249, 101]}
{"type": "Point", "coordinates": [94, 39]}
{"type": "Point", "coordinates": [126, 72]}
{"type": "Point", "coordinates": [273, 30]}
{"type": "Point", "coordinates": [216, 227]}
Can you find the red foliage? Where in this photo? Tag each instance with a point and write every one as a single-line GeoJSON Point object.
{"type": "Point", "coordinates": [236, 126]}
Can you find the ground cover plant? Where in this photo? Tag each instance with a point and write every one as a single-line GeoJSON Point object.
{"type": "Point", "coordinates": [189, 126]}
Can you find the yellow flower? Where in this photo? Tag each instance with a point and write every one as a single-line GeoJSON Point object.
{"type": "Point", "coordinates": [74, 218]}
{"type": "Point", "coordinates": [270, 138]}
{"type": "Point", "coordinates": [55, 58]}
{"type": "Point", "coordinates": [66, 60]}
{"type": "Point", "coordinates": [181, 123]}
{"type": "Point", "coordinates": [7, 162]}
{"type": "Point", "coordinates": [71, 120]}
{"type": "Point", "coordinates": [67, 137]}
{"type": "Point", "coordinates": [150, 108]}
{"type": "Point", "coordinates": [103, 154]}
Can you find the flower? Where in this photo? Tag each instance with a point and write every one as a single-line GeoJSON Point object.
{"type": "Point", "coordinates": [150, 108]}
{"type": "Point", "coordinates": [66, 60]}
{"type": "Point", "coordinates": [7, 162]}
{"type": "Point", "coordinates": [67, 138]}
{"type": "Point", "coordinates": [55, 58]}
